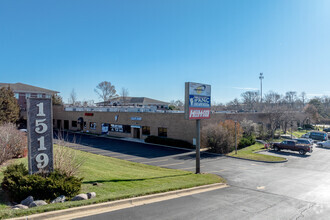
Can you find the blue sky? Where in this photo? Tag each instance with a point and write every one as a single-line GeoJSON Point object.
{"type": "Point", "coordinates": [151, 47]}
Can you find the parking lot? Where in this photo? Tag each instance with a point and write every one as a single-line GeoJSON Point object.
{"type": "Point", "coordinates": [303, 181]}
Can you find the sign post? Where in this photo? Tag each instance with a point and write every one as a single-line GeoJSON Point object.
{"type": "Point", "coordinates": [40, 135]}
{"type": "Point", "coordinates": [197, 107]}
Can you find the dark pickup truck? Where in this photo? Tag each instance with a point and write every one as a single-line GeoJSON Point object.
{"type": "Point", "coordinates": [294, 146]}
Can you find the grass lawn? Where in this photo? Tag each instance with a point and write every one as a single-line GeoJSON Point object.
{"type": "Point", "coordinates": [118, 179]}
{"type": "Point", "coordinates": [248, 153]}
{"type": "Point", "coordinates": [298, 134]}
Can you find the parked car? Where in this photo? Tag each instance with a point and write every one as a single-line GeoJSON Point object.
{"type": "Point", "coordinates": [294, 146]}
{"type": "Point", "coordinates": [326, 129]}
{"type": "Point", "coordinates": [316, 135]}
{"type": "Point", "coordinates": [325, 144]}
{"type": "Point", "coordinates": [304, 141]}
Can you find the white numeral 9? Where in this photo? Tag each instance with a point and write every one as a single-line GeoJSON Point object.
{"type": "Point", "coordinates": [42, 160]}
{"type": "Point", "coordinates": [43, 128]}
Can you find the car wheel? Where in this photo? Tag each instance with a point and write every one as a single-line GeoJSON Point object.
{"type": "Point", "coordinates": [276, 149]}
{"type": "Point", "coordinates": [302, 152]}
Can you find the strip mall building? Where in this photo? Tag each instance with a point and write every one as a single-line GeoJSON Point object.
{"type": "Point", "coordinates": [138, 122]}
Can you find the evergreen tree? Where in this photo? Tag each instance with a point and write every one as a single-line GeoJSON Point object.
{"type": "Point", "coordinates": [9, 109]}
{"type": "Point", "coordinates": [57, 99]}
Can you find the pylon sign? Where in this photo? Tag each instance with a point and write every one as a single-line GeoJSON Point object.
{"type": "Point", "coordinates": [197, 100]}
{"type": "Point", "coordinates": [40, 135]}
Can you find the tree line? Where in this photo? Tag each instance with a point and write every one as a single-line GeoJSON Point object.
{"type": "Point", "coordinates": [105, 91]}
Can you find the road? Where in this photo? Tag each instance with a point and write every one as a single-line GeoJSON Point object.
{"type": "Point", "coordinates": [298, 189]}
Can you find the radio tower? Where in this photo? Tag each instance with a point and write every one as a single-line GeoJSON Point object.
{"type": "Point", "coordinates": [261, 77]}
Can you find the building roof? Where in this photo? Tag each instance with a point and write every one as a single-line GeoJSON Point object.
{"type": "Point", "coordinates": [21, 87]}
{"type": "Point", "coordinates": [135, 100]}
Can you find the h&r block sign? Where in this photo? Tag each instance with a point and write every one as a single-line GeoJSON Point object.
{"type": "Point", "coordinates": [40, 135]}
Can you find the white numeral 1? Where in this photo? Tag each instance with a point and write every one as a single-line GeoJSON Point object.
{"type": "Point", "coordinates": [41, 143]}
{"type": "Point", "coordinates": [41, 109]}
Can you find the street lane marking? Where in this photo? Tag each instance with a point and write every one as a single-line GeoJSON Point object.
{"type": "Point", "coordinates": [156, 161]}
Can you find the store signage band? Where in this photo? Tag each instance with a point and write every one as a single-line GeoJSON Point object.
{"type": "Point", "coordinates": [40, 135]}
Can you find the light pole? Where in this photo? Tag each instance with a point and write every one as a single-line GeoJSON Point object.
{"type": "Point", "coordinates": [261, 77]}
{"type": "Point", "coordinates": [235, 137]}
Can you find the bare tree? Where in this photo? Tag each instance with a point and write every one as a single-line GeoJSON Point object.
{"type": "Point", "coordinates": [272, 97]}
{"type": "Point", "coordinates": [234, 105]}
{"type": "Point", "coordinates": [290, 97]}
{"type": "Point", "coordinates": [274, 114]}
{"type": "Point", "coordinates": [124, 95]}
{"type": "Point", "coordinates": [87, 103]}
{"type": "Point", "coordinates": [73, 98]}
{"type": "Point", "coordinates": [105, 90]}
{"type": "Point", "coordinates": [250, 98]}
{"type": "Point", "coordinates": [312, 112]}
{"type": "Point", "coordinates": [303, 98]}
{"type": "Point", "coordinates": [177, 105]}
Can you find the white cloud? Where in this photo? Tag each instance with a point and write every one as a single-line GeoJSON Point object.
{"type": "Point", "coordinates": [246, 88]}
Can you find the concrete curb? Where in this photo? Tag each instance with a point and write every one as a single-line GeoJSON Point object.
{"type": "Point", "coordinates": [120, 204]}
{"type": "Point", "coordinates": [262, 161]}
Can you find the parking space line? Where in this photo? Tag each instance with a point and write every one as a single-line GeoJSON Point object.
{"type": "Point", "coordinates": [156, 161]}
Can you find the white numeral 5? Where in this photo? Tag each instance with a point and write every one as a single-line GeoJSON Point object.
{"type": "Point", "coordinates": [43, 128]}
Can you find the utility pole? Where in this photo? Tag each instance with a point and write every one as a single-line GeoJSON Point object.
{"type": "Point", "coordinates": [261, 77]}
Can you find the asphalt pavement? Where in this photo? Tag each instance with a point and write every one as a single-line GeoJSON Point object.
{"type": "Point", "coordinates": [297, 189]}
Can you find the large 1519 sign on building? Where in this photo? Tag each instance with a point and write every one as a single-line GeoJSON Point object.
{"type": "Point", "coordinates": [197, 100]}
{"type": "Point", "coordinates": [40, 135]}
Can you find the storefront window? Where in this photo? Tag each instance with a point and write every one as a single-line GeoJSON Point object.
{"type": "Point", "coordinates": [145, 130]}
{"type": "Point", "coordinates": [126, 128]}
{"type": "Point", "coordinates": [162, 132]}
{"type": "Point", "coordinates": [74, 124]}
{"type": "Point", "coordinates": [92, 125]}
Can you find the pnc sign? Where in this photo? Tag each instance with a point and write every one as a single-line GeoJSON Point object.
{"type": "Point", "coordinates": [40, 135]}
{"type": "Point", "coordinates": [197, 100]}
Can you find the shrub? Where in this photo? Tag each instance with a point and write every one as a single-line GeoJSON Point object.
{"type": "Point", "coordinates": [12, 142]}
{"type": "Point", "coordinates": [249, 127]}
{"type": "Point", "coordinates": [220, 138]}
{"type": "Point", "coordinates": [66, 161]}
{"type": "Point", "coordinates": [168, 141]}
{"type": "Point", "coordinates": [246, 141]}
{"type": "Point", "coordinates": [18, 184]}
